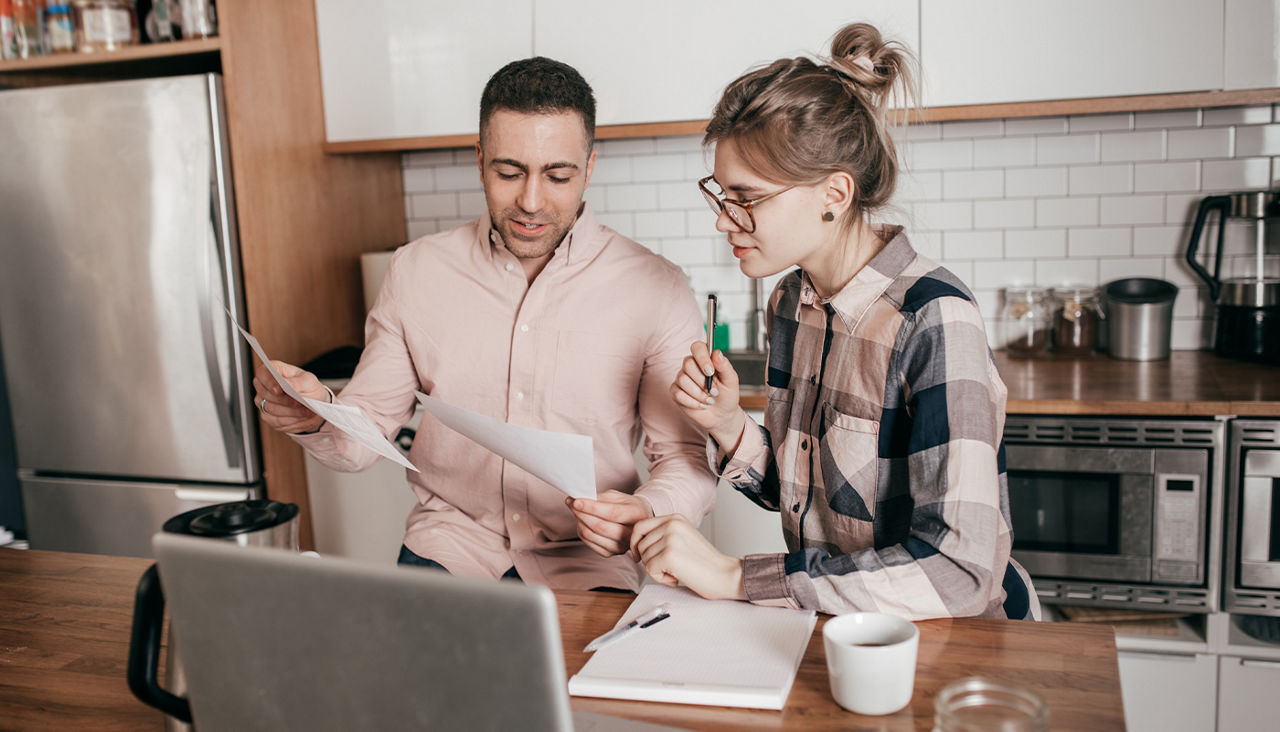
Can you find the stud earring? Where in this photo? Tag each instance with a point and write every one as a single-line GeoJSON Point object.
{"type": "Point", "coordinates": [828, 216]}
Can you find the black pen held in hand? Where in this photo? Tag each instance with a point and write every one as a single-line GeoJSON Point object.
{"type": "Point", "coordinates": [712, 304]}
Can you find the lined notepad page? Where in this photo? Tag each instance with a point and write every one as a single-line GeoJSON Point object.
{"type": "Point", "coordinates": [717, 652]}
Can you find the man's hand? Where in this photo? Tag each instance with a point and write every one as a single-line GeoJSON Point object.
{"type": "Point", "coordinates": [279, 410]}
{"type": "Point", "coordinates": [673, 551]}
{"type": "Point", "coordinates": [605, 523]}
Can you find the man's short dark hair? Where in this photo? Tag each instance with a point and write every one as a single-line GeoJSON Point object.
{"type": "Point", "coordinates": [539, 85]}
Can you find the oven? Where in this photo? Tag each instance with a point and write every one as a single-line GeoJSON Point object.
{"type": "Point", "coordinates": [1253, 518]}
{"type": "Point", "coordinates": [1117, 512]}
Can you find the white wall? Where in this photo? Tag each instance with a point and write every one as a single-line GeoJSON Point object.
{"type": "Point", "coordinates": [1046, 200]}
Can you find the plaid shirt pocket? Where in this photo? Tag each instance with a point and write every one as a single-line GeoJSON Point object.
{"type": "Point", "coordinates": [849, 458]}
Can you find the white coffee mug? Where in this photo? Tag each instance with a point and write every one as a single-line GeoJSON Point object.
{"type": "Point", "coordinates": [871, 661]}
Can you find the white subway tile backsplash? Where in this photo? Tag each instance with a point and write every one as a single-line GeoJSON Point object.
{"type": "Point", "coordinates": [1213, 142]}
{"type": "Point", "coordinates": [418, 180]}
{"type": "Point", "coordinates": [1086, 179]}
{"type": "Point", "coordinates": [972, 245]}
{"type": "Point", "coordinates": [638, 197]}
{"type": "Point", "coordinates": [1035, 126]}
{"type": "Point", "coordinates": [1130, 146]}
{"type": "Point", "coordinates": [458, 178]}
{"type": "Point", "coordinates": [1059, 272]}
{"type": "Point", "coordinates": [1067, 149]}
{"type": "Point", "coordinates": [943, 215]}
{"type": "Point", "coordinates": [1158, 239]}
{"type": "Point", "coordinates": [1164, 177]}
{"type": "Point", "coordinates": [1258, 140]}
{"type": "Point", "coordinates": [1189, 335]}
{"type": "Point", "coordinates": [1131, 210]}
{"type": "Point", "coordinates": [1104, 242]}
{"type": "Point", "coordinates": [1237, 174]}
{"type": "Point", "coordinates": [1098, 122]}
{"type": "Point", "coordinates": [1035, 182]}
{"type": "Point", "coordinates": [1004, 214]}
{"type": "Point", "coordinates": [1036, 243]}
{"type": "Point", "coordinates": [971, 184]}
{"type": "Point", "coordinates": [1172, 118]}
{"type": "Point", "coordinates": [940, 155]}
{"type": "Point", "coordinates": [1004, 152]}
{"type": "Point", "coordinates": [1256, 115]}
{"type": "Point", "coordinates": [1067, 212]}
{"type": "Point", "coordinates": [1049, 200]}
{"type": "Point", "coordinates": [970, 129]}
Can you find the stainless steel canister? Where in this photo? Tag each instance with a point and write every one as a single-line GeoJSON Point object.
{"type": "Point", "coordinates": [1139, 318]}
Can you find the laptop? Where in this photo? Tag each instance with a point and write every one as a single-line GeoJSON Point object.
{"type": "Point", "coordinates": [273, 640]}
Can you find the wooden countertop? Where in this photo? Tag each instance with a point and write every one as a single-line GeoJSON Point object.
{"type": "Point", "coordinates": [1187, 384]}
{"type": "Point", "coordinates": [64, 636]}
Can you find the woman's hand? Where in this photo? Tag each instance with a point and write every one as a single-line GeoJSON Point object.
{"type": "Point", "coordinates": [281, 411]}
{"type": "Point", "coordinates": [673, 551]}
{"type": "Point", "coordinates": [716, 411]}
{"type": "Point", "coordinates": [605, 523]}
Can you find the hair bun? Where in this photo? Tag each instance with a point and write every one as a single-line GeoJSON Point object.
{"type": "Point", "coordinates": [875, 66]}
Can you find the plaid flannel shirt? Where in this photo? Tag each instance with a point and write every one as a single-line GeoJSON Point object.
{"type": "Point", "coordinates": [882, 446]}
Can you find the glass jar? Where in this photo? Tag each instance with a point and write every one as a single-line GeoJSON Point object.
{"type": "Point", "coordinates": [59, 27]}
{"type": "Point", "coordinates": [1076, 319]}
{"type": "Point", "coordinates": [976, 704]}
{"type": "Point", "coordinates": [104, 25]}
{"type": "Point", "coordinates": [1024, 321]}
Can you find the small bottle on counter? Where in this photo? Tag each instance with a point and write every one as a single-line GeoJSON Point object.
{"type": "Point", "coordinates": [1024, 321]}
{"type": "Point", "coordinates": [104, 25]}
{"type": "Point", "coordinates": [1076, 316]}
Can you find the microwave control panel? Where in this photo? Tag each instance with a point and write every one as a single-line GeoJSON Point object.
{"type": "Point", "coordinates": [1178, 525]}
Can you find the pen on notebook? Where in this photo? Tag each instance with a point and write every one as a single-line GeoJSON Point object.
{"type": "Point", "coordinates": [712, 302]}
{"type": "Point", "coordinates": [656, 615]}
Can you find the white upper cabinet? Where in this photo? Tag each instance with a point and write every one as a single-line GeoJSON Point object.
{"type": "Point", "coordinates": [669, 60]}
{"type": "Point", "coordinates": [1252, 47]}
{"type": "Point", "coordinates": [413, 68]}
{"type": "Point", "coordinates": [993, 51]}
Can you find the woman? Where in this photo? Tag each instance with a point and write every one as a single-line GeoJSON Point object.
{"type": "Point", "coordinates": [882, 437]}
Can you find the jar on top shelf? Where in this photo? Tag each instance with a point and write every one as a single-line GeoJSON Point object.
{"type": "Point", "coordinates": [1025, 321]}
{"type": "Point", "coordinates": [104, 25]}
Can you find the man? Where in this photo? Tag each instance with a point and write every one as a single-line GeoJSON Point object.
{"type": "Point", "coordinates": [538, 316]}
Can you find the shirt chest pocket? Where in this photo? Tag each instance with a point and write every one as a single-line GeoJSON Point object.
{"type": "Point", "coordinates": [849, 459]}
{"type": "Point", "coordinates": [597, 376]}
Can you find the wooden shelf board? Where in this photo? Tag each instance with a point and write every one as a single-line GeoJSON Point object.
{"type": "Point", "coordinates": [147, 51]}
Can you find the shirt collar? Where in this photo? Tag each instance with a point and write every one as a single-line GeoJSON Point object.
{"type": "Point", "coordinates": [856, 297]}
{"type": "Point", "coordinates": [584, 240]}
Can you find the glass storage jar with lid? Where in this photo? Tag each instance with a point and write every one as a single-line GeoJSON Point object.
{"type": "Point", "coordinates": [1024, 321]}
{"type": "Point", "coordinates": [1076, 318]}
{"type": "Point", "coordinates": [104, 25]}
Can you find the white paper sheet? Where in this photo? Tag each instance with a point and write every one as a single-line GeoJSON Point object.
{"type": "Point", "coordinates": [563, 460]}
{"type": "Point", "coordinates": [718, 652]}
{"type": "Point", "coordinates": [346, 418]}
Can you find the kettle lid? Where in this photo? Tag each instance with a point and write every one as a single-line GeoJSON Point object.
{"type": "Point", "coordinates": [230, 519]}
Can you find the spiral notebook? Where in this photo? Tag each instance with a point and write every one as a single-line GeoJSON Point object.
{"type": "Point", "coordinates": [716, 652]}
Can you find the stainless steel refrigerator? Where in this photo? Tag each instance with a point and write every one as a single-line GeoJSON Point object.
{"type": "Point", "coordinates": [130, 393]}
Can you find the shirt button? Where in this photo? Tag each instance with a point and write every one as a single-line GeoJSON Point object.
{"type": "Point", "coordinates": [510, 266]}
{"type": "Point", "coordinates": [520, 395]}
{"type": "Point", "coordinates": [804, 444]}
{"type": "Point", "coordinates": [796, 508]}
{"type": "Point", "coordinates": [515, 517]}
{"type": "Point", "coordinates": [524, 328]}
{"type": "Point", "coordinates": [813, 380]}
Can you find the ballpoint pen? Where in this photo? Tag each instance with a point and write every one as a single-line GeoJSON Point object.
{"type": "Point", "coordinates": [712, 303]}
{"type": "Point", "coordinates": [656, 615]}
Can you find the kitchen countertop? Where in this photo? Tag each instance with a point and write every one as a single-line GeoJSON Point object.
{"type": "Point", "coordinates": [64, 639]}
{"type": "Point", "coordinates": [1187, 384]}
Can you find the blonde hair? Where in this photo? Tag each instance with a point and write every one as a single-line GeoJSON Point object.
{"type": "Point", "coordinates": [795, 121]}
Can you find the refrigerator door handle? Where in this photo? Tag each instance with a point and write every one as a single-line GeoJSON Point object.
{"type": "Point", "coordinates": [227, 409]}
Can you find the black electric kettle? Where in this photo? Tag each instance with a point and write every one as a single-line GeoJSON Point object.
{"type": "Point", "coordinates": [1247, 319]}
{"type": "Point", "coordinates": [247, 523]}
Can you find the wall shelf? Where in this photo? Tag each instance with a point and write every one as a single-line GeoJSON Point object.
{"type": "Point", "coordinates": [149, 51]}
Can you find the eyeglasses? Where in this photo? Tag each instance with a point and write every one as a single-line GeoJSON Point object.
{"type": "Point", "coordinates": [739, 211]}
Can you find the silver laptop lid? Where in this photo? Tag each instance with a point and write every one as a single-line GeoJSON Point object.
{"type": "Point", "coordinates": [273, 640]}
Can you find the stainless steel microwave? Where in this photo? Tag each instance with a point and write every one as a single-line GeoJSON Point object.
{"type": "Point", "coordinates": [1117, 511]}
{"type": "Point", "coordinates": [1253, 522]}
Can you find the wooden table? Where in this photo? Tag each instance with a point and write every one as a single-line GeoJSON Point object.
{"type": "Point", "coordinates": [64, 635]}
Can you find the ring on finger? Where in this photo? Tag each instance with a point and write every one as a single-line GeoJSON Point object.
{"type": "Point", "coordinates": [263, 407]}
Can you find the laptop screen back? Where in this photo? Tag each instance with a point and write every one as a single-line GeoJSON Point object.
{"type": "Point", "coordinates": [273, 640]}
